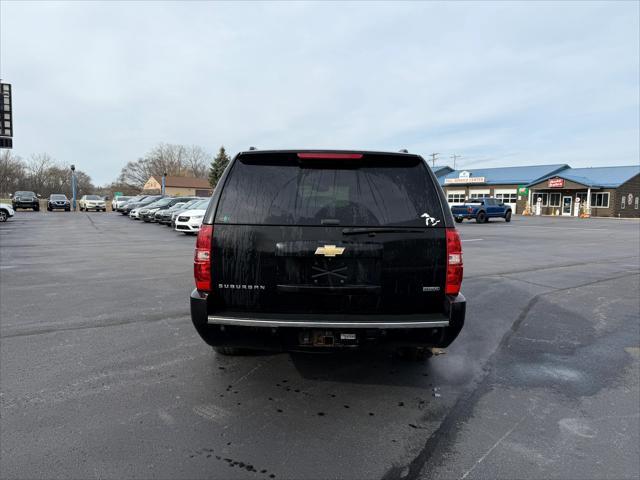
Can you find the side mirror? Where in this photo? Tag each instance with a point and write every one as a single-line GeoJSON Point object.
{"type": "Point", "coordinates": [39, 196]}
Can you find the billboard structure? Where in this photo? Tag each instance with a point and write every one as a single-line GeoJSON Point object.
{"type": "Point", "coordinates": [6, 116]}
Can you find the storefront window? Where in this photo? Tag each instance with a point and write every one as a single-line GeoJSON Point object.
{"type": "Point", "coordinates": [583, 197]}
{"type": "Point", "coordinates": [455, 198]}
{"type": "Point", "coordinates": [479, 195]}
{"type": "Point", "coordinates": [507, 197]}
{"type": "Point", "coordinates": [554, 199]}
{"type": "Point", "coordinates": [600, 200]}
{"type": "Point", "coordinates": [543, 196]}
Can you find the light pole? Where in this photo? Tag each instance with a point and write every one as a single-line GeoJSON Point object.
{"type": "Point", "coordinates": [164, 182]}
{"type": "Point", "coordinates": [73, 186]}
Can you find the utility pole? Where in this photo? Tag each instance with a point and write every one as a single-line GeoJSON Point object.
{"type": "Point", "coordinates": [73, 186]}
{"type": "Point", "coordinates": [455, 157]}
{"type": "Point", "coordinates": [434, 157]}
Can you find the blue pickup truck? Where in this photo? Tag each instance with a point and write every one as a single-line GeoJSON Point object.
{"type": "Point", "coordinates": [481, 209]}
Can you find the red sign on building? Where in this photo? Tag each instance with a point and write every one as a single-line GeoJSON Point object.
{"type": "Point", "coordinates": [556, 182]}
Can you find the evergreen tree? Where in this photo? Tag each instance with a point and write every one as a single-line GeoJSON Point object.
{"type": "Point", "coordinates": [217, 166]}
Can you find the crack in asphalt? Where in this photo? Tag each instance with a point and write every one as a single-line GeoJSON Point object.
{"type": "Point", "coordinates": [551, 267]}
{"type": "Point", "coordinates": [93, 224]}
{"type": "Point", "coordinates": [444, 436]}
{"type": "Point", "coordinates": [84, 326]}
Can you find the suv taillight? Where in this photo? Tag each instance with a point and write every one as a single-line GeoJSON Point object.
{"type": "Point", "coordinates": [202, 259]}
{"type": "Point", "coordinates": [454, 262]}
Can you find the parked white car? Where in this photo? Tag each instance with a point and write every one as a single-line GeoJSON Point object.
{"type": "Point", "coordinates": [92, 202]}
{"type": "Point", "coordinates": [189, 221]}
{"type": "Point", "coordinates": [119, 202]}
{"type": "Point", "coordinates": [135, 213]}
{"type": "Point", "coordinates": [6, 212]}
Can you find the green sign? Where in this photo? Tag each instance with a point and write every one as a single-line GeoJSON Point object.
{"type": "Point", "coordinates": [118, 194]}
{"type": "Point", "coordinates": [523, 190]}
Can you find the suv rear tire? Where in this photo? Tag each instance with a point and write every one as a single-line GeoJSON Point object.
{"type": "Point", "coordinates": [481, 217]}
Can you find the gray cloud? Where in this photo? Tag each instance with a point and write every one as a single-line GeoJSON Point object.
{"type": "Point", "coordinates": [503, 83]}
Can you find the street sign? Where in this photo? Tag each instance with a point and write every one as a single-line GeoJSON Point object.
{"type": "Point", "coordinates": [118, 194]}
{"type": "Point", "coordinates": [523, 191]}
{"type": "Point", "coordinates": [6, 116]}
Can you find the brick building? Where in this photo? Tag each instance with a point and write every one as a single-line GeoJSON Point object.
{"type": "Point", "coordinates": [179, 186]}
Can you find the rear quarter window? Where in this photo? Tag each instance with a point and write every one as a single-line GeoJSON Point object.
{"type": "Point", "coordinates": [377, 190]}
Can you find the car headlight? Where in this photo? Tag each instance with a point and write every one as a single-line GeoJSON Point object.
{"type": "Point", "coordinates": [197, 217]}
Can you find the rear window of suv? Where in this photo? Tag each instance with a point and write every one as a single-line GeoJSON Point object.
{"type": "Point", "coordinates": [377, 190]}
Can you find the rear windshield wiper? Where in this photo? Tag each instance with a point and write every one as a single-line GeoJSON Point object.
{"type": "Point", "coordinates": [357, 231]}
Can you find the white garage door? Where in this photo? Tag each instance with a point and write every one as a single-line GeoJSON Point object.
{"type": "Point", "coordinates": [509, 196]}
{"type": "Point", "coordinates": [455, 197]}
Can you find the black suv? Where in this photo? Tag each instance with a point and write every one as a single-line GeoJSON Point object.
{"type": "Point", "coordinates": [327, 249]}
{"type": "Point", "coordinates": [58, 200]}
{"type": "Point", "coordinates": [25, 200]}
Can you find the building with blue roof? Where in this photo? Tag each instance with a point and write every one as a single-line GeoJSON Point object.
{"type": "Point", "coordinates": [600, 191]}
{"type": "Point", "coordinates": [506, 183]}
{"type": "Point", "coordinates": [558, 189]}
{"type": "Point", "coordinates": [442, 171]}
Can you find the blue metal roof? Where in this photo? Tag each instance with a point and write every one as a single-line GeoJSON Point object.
{"type": "Point", "coordinates": [442, 170]}
{"type": "Point", "coordinates": [603, 177]}
{"type": "Point", "coordinates": [509, 175]}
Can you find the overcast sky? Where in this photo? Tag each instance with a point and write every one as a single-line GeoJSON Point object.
{"type": "Point", "coordinates": [498, 83]}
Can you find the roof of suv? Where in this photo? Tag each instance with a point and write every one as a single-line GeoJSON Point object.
{"type": "Point", "coordinates": [316, 150]}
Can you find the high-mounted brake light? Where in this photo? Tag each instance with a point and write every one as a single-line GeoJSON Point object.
{"type": "Point", "coordinates": [454, 262]}
{"type": "Point", "coordinates": [330, 156]}
{"type": "Point", "coordinates": [202, 259]}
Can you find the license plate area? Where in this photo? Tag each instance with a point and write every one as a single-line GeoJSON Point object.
{"type": "Point", "coordinates": [328, 338]}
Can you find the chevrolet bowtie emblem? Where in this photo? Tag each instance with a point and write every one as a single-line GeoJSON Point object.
{"type": "Point", "coordinates": [329, 250]}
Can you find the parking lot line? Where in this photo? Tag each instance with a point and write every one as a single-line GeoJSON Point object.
{"type": "Point", "coordinates": [562, 227]}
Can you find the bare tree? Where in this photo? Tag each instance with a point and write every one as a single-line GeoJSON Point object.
{"type": "Point", "coordinates": [135, 173]}
{"type": "Point", "coordinates": [12, 173]}
{"type": "Point", "coordinates": [197, 161]}
{"type": "Point", "coordinates": [37, 171]}
{"type": "Point", "coordinates": [174, 160]}
{"type": "Point", "coordinates": [41, 175]}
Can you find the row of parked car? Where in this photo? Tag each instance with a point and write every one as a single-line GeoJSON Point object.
{"type": "Point", "coordinates": [183, 214]}
{"type": "Point", "coordinates": [56, 201]}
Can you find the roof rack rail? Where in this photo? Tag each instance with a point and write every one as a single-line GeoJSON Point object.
{"type": "Point", "coordinates": [252, 148]}
{"type": "Point", "coordinates": [403, 150]}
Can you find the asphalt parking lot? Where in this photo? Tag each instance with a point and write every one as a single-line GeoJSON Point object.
{"type": "Point", "coordinates": [103, 376]}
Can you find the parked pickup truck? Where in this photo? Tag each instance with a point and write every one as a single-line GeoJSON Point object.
{"type": "Point", "coordinates": [481, 209]}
